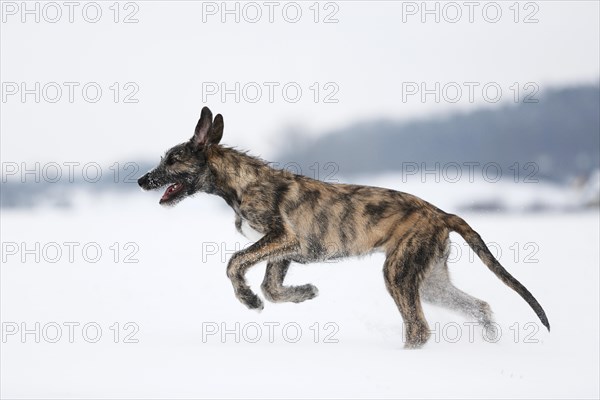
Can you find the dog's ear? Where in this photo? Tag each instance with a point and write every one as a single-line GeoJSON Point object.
{"type": "Point", "coordinates": [216, 130]}
{"type": "Point", "coordinates": [201, 134]}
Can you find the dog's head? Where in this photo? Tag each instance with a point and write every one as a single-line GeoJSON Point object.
{"type": "Point", "coordinates": [184, 168]}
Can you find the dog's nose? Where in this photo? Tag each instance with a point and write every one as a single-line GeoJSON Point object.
{"type": "Point", "coordinates": [142, 181]}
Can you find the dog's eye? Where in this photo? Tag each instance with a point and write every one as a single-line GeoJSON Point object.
{"type": "Point", "coordinates": [170, 160]}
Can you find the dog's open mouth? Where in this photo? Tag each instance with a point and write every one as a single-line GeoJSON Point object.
{"type": "Point", "coordinates": [171, 192]}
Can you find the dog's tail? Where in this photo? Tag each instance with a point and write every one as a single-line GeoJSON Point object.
{"type": "Point", "coordinates": [459, 226]}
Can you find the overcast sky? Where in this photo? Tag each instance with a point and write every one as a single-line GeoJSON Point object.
{"type": "Point", "coordinates": [179, 55]}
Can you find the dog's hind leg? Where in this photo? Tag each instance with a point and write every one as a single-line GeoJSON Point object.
{"type": "Point", "coordinates": [274, 290]}
{"type": "Point", "coordinates": [437, 289]}
{"type": "Point", "coordinates": [402, 272]}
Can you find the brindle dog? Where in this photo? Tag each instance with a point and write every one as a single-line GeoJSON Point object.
{"type": "Point", "coordinates": [305, 220]}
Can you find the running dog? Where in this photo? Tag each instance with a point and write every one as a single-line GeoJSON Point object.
{"type": "Point", "coordinates": [305, 220]}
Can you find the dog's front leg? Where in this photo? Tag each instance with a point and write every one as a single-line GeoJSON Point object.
{"type": "Point", "coordinates": [270, 247]}
{"type": "Point", "coordinates": [274, 290]}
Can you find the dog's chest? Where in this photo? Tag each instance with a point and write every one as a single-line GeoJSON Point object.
{"type": "Point", "coordinates": [248, 227]}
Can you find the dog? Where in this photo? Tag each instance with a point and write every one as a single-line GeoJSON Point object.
{"type": "Point", "coordinates": [304, 220]}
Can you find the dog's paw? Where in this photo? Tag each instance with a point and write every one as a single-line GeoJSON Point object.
{"type": "Point", "coordinates": [490, 332]}
{"type": "Point", "coordinates": [304, 292]}
{"type": "Point", "coordinates": [251, 300]}
{"type": "Point", "coordinates": [256, 304]}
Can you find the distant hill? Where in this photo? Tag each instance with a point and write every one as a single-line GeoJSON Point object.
{"type": "Point", "coordinates": [561, 134]}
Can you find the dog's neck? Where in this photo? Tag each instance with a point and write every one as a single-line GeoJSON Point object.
{"type": "Point", "coordinates": [234, 172]}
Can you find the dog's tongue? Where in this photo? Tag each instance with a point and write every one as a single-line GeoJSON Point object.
{"type": "Point", "coordinates": [171, 190]}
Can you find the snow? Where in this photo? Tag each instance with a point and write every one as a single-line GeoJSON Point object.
{"type": "Point", "coordinates": [178, 294]}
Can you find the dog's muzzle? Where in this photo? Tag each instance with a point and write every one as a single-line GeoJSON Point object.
{"type": "Point", "coordinates": [144, 181]}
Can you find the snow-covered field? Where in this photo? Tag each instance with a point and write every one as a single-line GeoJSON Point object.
{"type": "Point", "coordinates": [169, 325]}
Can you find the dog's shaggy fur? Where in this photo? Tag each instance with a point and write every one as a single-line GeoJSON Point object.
{"type": "Point", "coordinates": [304, 220]}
